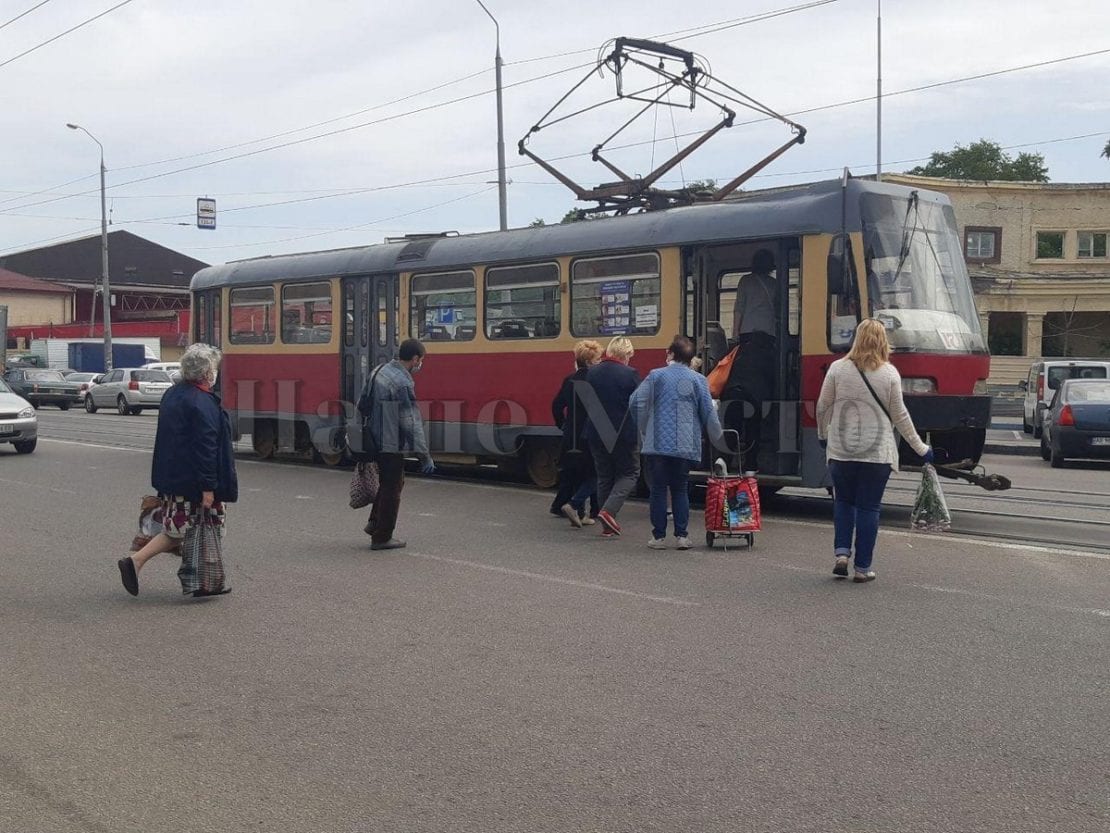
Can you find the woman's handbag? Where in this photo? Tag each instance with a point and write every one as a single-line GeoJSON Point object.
{"type": "Point", "coordinates": [718, 376]}
{"type": "Point", "coordinates": [202, 558]}
{"type": "Point", "coordinates": [365, 482]}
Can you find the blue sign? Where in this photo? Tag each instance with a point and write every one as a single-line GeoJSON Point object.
{"type": "Point", "coordinates": [616, 307]}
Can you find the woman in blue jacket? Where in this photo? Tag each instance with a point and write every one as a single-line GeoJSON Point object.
{"type": "Point", "coordinates": [672, 407]}
{"type": "Point", "coordinates": [193, 469]}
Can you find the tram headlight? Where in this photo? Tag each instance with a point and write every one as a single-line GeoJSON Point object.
{"type": "Point", "coordinates": [914, 387]}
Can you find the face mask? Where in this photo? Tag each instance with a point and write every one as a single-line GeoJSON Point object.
{"type": "Point", "coordinates": [416, 367]}
{"type": "Point", "coordinates": [212, 380]}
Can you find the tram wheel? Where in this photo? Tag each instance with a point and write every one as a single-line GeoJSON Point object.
{"type": "Point", "coordinates": [264, 438]}
{"type": "Point", "coordinates": [542, 464]}
{"type": "Point", "coordinates": [330, 458]}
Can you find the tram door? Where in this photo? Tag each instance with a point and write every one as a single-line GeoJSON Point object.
{"type": "Point", "coordinates": [207, 321]}
{"type": "Point", "coordinates": [712, 276]}
{"type": "Point", "coordinates": [370, 335]}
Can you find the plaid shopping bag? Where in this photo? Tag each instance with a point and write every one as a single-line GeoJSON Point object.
{"type": "Point", "coordinates": [364, 485]}
{"type": "Point", "coordinates": [202, 561]}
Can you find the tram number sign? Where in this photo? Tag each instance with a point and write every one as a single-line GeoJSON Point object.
{"type": "Point", "coordinates": [206, 213]}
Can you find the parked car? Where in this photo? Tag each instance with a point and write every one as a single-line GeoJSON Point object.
{"type": "Point", "coordinates": [18, 423]}
{"type": "Point", "coordinates": [1043, 380]}
{"type": "Point", "coordinates": [172, 368]}
{"type": "Point", "coordinates": [1077, 422]}
{"type": "Point", "coordinates": [40, 386]}
{"type": "Point", "coordinates": [85, 380]}
{"type": "Point", "coordinates": [128, 390]}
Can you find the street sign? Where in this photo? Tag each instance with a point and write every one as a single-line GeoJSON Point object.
{"type": "Point", "coordinates": [206, 213]}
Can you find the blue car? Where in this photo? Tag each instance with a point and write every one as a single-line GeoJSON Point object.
{"type": "Point", "coordinates": [1077, 422]}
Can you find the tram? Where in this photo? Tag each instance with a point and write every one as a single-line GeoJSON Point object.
{"type": "Point", "coordinates": [500, 312]}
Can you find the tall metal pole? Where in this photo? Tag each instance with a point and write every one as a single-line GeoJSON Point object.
{"type": "Point", "coordinates": [879, 95]}
{"type": "Point", "coordinates": [105, 289]}
{"type": "Point", "coordinates": [502, 196]}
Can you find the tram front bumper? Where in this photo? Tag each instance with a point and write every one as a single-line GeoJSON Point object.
{"type": "Point", "coordinates": [956, 427]}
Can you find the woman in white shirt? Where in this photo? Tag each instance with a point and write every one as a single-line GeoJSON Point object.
{"type": "Point", "coordinates": [858, 410]}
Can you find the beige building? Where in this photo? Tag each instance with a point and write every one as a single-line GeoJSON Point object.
{"type": "Point", "coordinates": [1038, 258]}
{"type": "Point", "coordinates": [31, 301]}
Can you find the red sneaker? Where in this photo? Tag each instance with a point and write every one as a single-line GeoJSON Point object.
{"type": "Point", "coordinates": [609, 522]}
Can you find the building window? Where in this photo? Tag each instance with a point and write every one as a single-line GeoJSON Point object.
{"type": "Point", "coordinates": [252, 316]}
{"type": "Point", "coordinates": [1092, 244]}
{"type": "Point", "coordinates": [612, 296]}
{"type": "Point", "coordinates": [443, 307]}
{"type": "Point", "coordinates": [523, 301]}
{"type": "Point", "coordinates": [982, 245]}
{"type": "Point", "coordinates": [1050, 245]}
{"type": "Point", "coordinates": [306, 313]}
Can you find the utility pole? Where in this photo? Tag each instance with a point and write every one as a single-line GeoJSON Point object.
{"type": "Point", "coordinates": [502, 196]}
{"type": "Point", "coordinates": [105, 289]}
{"type": "Point", "coordinates": [879, 94]}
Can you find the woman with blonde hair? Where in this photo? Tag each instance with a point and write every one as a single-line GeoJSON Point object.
{"type": "Point", "coordinates": [611, 432]}
{"type": "Point", "coordinates": [577, 479]}
{"type": "Point", "coordinates": [859, 409]}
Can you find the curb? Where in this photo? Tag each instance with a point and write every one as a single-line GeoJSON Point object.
{"type": "Point", "coordinates": [1014, 450]}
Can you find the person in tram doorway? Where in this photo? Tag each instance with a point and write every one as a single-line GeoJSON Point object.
{"type": "Point", "coordinates": [610, 431]}
{"type": "Point", "coordinates": [193, 469]}
{"type": "Point", "coordinates": [751, 382]}
{"type": "Point", "coordinates": [671, 409]}
{"type": "Point", "coordinates": [388, 401]}
{"type": "Point", "coordinates": [577, 478]}
{"type": "Point", "coordinates": [859, 409]}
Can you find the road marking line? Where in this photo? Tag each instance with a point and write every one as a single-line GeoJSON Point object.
{"type": "Point", "coordinates": [585, 585]}
{"type": "Point", "coordinates": [1024, 549]}
{"type": "Point", "coordinates": [96, 445]}
{"type": "Point", "coordinates": [956, 591]}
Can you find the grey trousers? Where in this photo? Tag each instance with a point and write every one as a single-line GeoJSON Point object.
{"type": "Point", "coordinates": [617, 473]}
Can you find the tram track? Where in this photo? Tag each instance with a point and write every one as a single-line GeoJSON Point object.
{"type": "Point", "coordinates": [988, 520]}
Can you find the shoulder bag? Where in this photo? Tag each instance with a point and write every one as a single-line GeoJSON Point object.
{"type": "Point", "coordinates": [367, 449]}
{"type": "Point", "coordinates": [874, 395]}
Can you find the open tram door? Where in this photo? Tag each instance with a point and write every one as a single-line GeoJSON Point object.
{"type": "Point", "coordinates": [713, 278]}
{"type": "Point", "coordinates": [370, 329]}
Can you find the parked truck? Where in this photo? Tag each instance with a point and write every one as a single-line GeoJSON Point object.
{"type": "Point", "coordinates": [55, 352]}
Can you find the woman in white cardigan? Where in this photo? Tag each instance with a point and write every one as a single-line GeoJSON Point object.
{"type": "Point", "coordinates": [859, 408]}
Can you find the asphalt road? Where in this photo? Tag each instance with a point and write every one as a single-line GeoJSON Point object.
{"type": "Point", "coordinates": [505, 673]}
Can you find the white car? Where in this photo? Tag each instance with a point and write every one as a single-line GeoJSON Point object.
{"type": "Point", "coordinates": [18, 423]}
{"type": "Point", "coordinates": [129, 390]}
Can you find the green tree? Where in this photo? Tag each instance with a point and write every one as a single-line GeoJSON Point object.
{"type": "Point", "coordinates": [536, 223]}
{"type": "Point", "coordinates": [984, 160]}
{"type": "Point", "coordinates": [1106, 150]}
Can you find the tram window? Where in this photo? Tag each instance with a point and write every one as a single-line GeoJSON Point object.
{"type": "Point", "coordinates": [349, 291]}
{"type": "Point", "coordinates": [306, 313]}
{"type": "Point", "coordinates": [383, 320]}
{"type": "Point", "coordinates": [793, 289]}
{"type": "Point", "coordinates": [523, 301]}
{"type": "Point", "coordinates": [443, 306]}
{"type": "Point", "coordinates": [202, 319]}
{"type": "Point", "coordinates": [252, 316]}
{"type": "Point", "coordinates": [843, 294]}
{"type": "Point", "coordinates": [615, 295]}
{"type": "Point", "coordinates": [217, 321]}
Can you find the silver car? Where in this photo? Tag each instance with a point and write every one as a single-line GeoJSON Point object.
{"type": "Point", "coordinates": [18, 423]}
{"type": "Point", "coordinates": [128, 390]}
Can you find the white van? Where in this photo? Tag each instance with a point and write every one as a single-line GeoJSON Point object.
{"type": "Point", "coordinates": [172, 368]}
{"type": "Point", "coordinates": [1043, 380]}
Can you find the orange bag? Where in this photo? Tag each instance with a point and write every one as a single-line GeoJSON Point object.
{"type": "Point", "coordinates": [718, 376]}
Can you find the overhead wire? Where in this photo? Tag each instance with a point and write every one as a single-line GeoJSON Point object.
{"type": "Point", "coordinates": [8, 23]}
{"type": "Point", "coordinates": [63, 34]}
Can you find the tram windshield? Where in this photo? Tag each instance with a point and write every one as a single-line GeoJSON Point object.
{"type": "Point", "coordinates": [917, 280]}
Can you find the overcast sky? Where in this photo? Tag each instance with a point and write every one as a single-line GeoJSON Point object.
{"type": "Point", "coordinates": [174, 89]}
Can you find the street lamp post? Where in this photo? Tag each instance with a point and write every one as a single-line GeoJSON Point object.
{"type": "Point", "coordinates": [104, 288]}
{"type": "Point", "coordinates": [501, 195]}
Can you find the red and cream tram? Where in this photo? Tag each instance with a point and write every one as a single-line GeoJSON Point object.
{"type": "Point", "coordinates": [499, 313]}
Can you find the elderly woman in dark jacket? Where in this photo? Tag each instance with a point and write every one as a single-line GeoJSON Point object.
{"type": "Point", "coordinates": [193, 469]}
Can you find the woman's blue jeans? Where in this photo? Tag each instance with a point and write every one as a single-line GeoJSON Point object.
{"type": "Point", "coordinates": [668, 474]}
{"type": "Point", "coordinates": [857, 494]}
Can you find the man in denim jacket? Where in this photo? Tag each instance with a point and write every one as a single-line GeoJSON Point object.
{"type": "Point", "coordinates": [388, 404]}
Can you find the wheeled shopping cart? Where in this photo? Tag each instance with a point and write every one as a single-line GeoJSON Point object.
{"type": "Point", "coordinates": [732, 508]}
